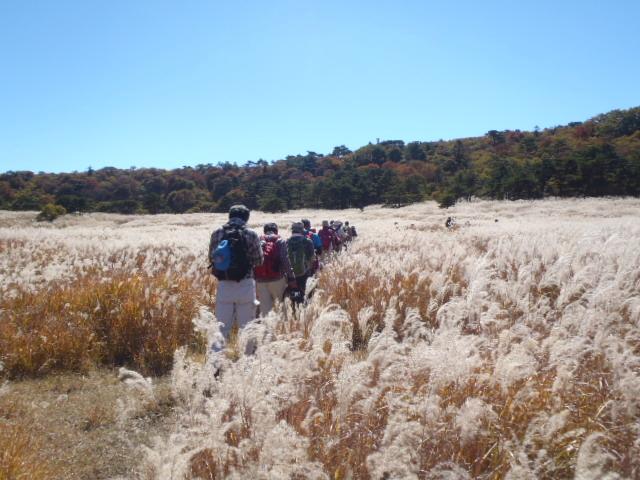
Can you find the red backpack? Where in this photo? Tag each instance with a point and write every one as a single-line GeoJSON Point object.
{"type": "Point", "coordinates": [328, 238]}
{"type": "Point", "coordinates": [270, 268]}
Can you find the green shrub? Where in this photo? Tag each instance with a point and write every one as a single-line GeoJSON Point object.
{"type": "Point", "coordinates": [50, 212]}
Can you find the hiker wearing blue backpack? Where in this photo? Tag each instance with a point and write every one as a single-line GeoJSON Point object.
{"type": "Point", "coordinates": [273, 276]}
{"type": "Point", "coordinates": [301, 257]}
{"type": "Point", "coordinates": [234, 251]}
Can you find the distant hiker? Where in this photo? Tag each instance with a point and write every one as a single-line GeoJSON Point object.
{"type": "Point", "coordinates": [306, 223]}
{"type": "Point", "coordinates": [347, 231]}
{"type": "Point", "coordinates": [275, 272]}
{"type": "Point", "coordinates": [301, 257]}
{"type": "Point", "coordinates": [341, 236]}
{"type": "Point", "coordinates": [328, 237]}
{"type": "Point", "coordinates": [354, 233]}
{"type": "Point", "coordinates": [311, 234]}
{"type": "Point", "coordinates": [234, 251]}
{"type": "Point", "coordinates": [449, 223]}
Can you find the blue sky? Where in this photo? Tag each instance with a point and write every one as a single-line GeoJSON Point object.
{"type": "Point", "coordinates": [165, 84]}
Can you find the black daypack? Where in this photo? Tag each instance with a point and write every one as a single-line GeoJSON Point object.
{"type": "Point", "coordinates": [239, 266]}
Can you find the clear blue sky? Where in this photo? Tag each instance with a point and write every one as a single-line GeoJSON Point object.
{"type": "Point", "coordinates": [166, 83]}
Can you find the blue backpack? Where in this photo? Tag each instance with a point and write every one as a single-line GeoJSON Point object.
{"type": "Point", "coordinates": [221, 257]}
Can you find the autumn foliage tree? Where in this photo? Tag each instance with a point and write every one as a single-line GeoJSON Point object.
{"type": "Point", "coordinates": [600, 156]}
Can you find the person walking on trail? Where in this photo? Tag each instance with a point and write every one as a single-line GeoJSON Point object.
{"type": "Point", "coordinates": [347, 232]}
{"type": "Point", "coordinates": [301, 257]}
{"type": "Point", "coordinates": [275, 273]}
{"type": "Point", "coordinates": [328, 237]}
{"type": "Point", "coordinates": [450, 223]}
{"type": "Point", "coordinates": [311, 234]}
{"type": "Point", "coordinates": [234, 251]}
{"type": "Point", "coordinates": [342, 233]}
{"type": "Point", "coordinates": [337, 229]}
{"type": "Point", "coordinates": [351, 232]}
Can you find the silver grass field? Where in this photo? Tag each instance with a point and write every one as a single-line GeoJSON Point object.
{"type": "Point", "coordinates": [506, 347]}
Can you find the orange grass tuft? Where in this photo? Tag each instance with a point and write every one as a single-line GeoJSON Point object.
{"type": "Point", "coordinates": [21, 455]}
{"type": "Point", "coordinates": [135, 320]}
{"type": "Point", "coordinates": [204, 465]}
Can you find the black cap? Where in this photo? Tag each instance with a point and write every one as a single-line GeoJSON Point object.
{"type": "Point", "coordinates": [307, 223]}
{"type": "Point", "coordinates": [239, 211]}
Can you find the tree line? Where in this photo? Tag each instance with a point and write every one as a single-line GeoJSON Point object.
{"type": "Point", "coordinates": [598, 157]}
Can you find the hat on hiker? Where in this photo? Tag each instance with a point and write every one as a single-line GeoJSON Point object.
{"type": "Point", "coordinates": [325, 223]}
{"type": "Point", "coordinates": [239, 211]}
{"type": "Point", "coordinates": [297, 227]}
{"type": "Point", "coordinates": [307, 223]}
{"type": "Point", "coordinates": [270, 228]}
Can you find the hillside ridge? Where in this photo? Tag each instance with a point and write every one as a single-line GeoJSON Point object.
{"type": "Point", "coordinates": [597, 157]}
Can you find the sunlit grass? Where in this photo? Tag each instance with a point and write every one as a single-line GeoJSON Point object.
{"type": "Point", "coordinates": [505, 349]}
{"type": "Point", "coordinates": [120, 319]}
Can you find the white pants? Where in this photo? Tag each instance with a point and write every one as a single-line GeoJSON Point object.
{"type": "Point", "coordinates": [235, 301]}
{"type": "Point", "coordinates": [269, 293]}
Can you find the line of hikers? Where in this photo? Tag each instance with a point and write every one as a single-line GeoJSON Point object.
{"type": "Point", "coordinates": [257, 271]}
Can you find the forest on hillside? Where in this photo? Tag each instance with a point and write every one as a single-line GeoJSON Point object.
{"type": "Point", "coordinates": [598, 157]}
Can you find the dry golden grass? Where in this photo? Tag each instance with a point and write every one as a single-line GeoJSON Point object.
{"type": "Point", "coordinates": [341, 445]}
{"type": "Point", "coordinates": [365, 381]}
{"type": "Point", "coordinates": [21, 455]}
{"type": "Point", "coordinates": [121, 319]}
{"type": "Point", "coordinates": [71, 426]}
{"type": "Point", "coordinates": [490, 456]}
{"type": "Point", "coordinates": [357, 292]}
{"type": "Point", "coordinates": [204, 465]}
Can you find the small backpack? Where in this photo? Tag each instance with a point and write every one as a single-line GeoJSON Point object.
{"type": "Point", "coordinates": [270, 268]}
{"type": "Point", "coordinates": [230, 256]}
{"type": "Point", "coordinates": [328, 238]}
{"type": "Point", "coordinates": [297, 255]}
{"type": "Point", "coordinates": [315, 239]}
{"type": "Point", "coordinates": [221, 257]}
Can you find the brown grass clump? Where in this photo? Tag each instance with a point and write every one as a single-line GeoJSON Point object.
{"type": "Point", "coordinates": [208, 465]}
{"type": "Point", "coordinates": [135, 320]}
{"type": "Point", "coordinates": [21, 456]}
{"type": "Point", "coordinates": [21, 453]}
{"type": "Point", "coordinates": [233, 436]}
{"type": "Point", "coordinates": [204, 465]}
{"type": "Point", "coordinates": [74, 426]}
{"type": "Point", "coordinates": [341, 445]}
{"type": "Point", "coordinates": [411, 291]}
{"type": "Point", "coordinates": [489, 455]}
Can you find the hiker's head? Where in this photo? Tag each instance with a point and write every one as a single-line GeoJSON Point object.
{"type": "Point", "coordinates": [239, 211]}
{"type": "Point", "coordinates": [270, 228]}
{"type": "Point", "coordinates": [297, 227]}
{"type": "Point", "coordinates": [346, 223]}
{"type": "Point", "coordinates": [325, 223]}
{"type": "Point", "coordinates": [307, 223]}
